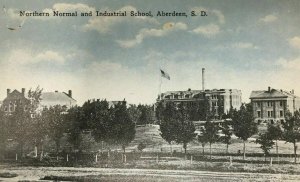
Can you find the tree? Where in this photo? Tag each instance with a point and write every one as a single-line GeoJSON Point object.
{"type": "Point", "coordinates": [185, 129]}
{"type": "Point", "coordinates": [20, 127]}
{"type": "Point", "coordinates": [202, 138]}
{"type": "Point", "coordinates": [243, 124]}
{"type": "Point", "coordinates": [168, 126]}
{"type": "Point", "coordinates": [75, 122]}
{"type": "Point", "coordinates": [275, 133]}
{"type": "Point", "coordinates": [291, 131]}
{"type": "Point", "coordinates": [210, 131]}
{"type": "Point", "coordinates": [56, 125]}
{"type": "Point", "coordinates": [266, 143]}
{"type": "Point", "coordinates": [146, 113]}
{"type": "Point", "coordinates": [4, 132]}
{"type": "Point", "coordinates": [226, 130]}
{"type": "Point", "coordinates": [134, 113]}
{"type": "Point", "coordinates": [99, 117]}
{"type": "Point", "coordinates": [121, 129]}
{"type": "Point", "coordinates": [37, 125]}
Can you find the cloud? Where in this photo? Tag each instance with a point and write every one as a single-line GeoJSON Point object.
{"type": "Point", "coordinates": [244, 45]}
{"type": "Point", "coordinates": [72, 7]}
{"type": "Point", "coordinates": [145, 33]}
{"type": "Point", "coordinates": [293, 64]}
{"type": "Point", "coordinates": [294, 42]}
{"type": "Point", "coordinates": [208, 31]}
{"type": "Point", "coordinates": [105, 23]}
{"type": "Point", "coordinates": [24, 57]}
{"type": "Point", "coordinates": [268, 19]}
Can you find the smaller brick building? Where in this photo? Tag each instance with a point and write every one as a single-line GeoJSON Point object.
{"type": "Point", "coordinates": [271, 105]}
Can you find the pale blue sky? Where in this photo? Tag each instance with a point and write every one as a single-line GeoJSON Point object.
{"type": "Point", "coordinates": [247, 45]}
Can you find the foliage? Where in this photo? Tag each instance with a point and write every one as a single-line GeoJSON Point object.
{"type": "Point", "coordinates": [134, 113]}
{"type": "Point", "coordinates": [168, 128]}
{"type": "Point", "coordinates": [266, 143]}
{"type": "Point", "coordinates": [210, 131]}
{"type": "Point", "coordinates": [243, 124]}
{"type": "Point", "coordinates": [186, 129]}
{"type": "Point", "coordinates": [291, 131]}
{"type": "Point", "coordinates": [75, 126]}
{"type": "Point", "coordinates": [141, 146]}
{"type": "Point", "coordinates": [121, 130]}
{"type": "Point", "coordinates": [146, 114]}
{"type": "Point", "coordinates": [56, 126]}
{"type": "Point", "coordinates": [226, 130]}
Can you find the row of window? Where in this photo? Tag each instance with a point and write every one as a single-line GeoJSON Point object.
{"type": "Point", "coordinates": [270, 114]}
{"type": "Point", "coordinates": [268, 103]}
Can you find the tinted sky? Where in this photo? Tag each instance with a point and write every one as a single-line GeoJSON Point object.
{"type": "Point", "coordinates": [246, 45]}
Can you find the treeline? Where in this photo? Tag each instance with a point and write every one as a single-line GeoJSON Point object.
{"type": "Point", "coordinates": [105, 123]}
{"type": "Point", "coordinates": [176, 127]}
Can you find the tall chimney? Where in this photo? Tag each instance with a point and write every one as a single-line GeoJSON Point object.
{"type": "Point", "coordinates": [8, 91]}
{"type": "Point", "coordinates": [70, 93]}
{"type": "Point", "coordinates": [23, 91]}
{"type": "Point", "coordinates": [292, 91]}
{"type": "Point", "coordinates": [203, 79]}
{"type": "Point", "coordinates": [269, 89]}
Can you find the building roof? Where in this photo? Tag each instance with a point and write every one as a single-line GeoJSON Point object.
{"type": "Point", "coordinates": [56, 97]}
{"type": "Point", "coordinates": [273, 93]}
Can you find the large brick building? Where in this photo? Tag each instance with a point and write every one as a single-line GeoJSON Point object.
{"type": "Point", "coordinates": [271, 105]}
{"type": "Point", "coordinates": [48, 99]}
{"type": "Point", "coordinates": [219, 100]}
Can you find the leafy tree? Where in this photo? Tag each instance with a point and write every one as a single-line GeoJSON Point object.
{"type": "Point", "coordinates": [243, 124]}
{"type": "Point", "coordinates": [134, 113]}
{"type": "Point", "coordinates": [35, 99]}
{"type": "Point", "coordinates": [146, 113]}
{"type": "Point", "coordinates": [226, 130]}
{"type": "Point", "coordinates": [202, 138]}
{"type": "Point", "coordinates": [291, 131]}
{"type": "Point", "coordinates": [275, 133]}
{"type": "Point", "coordinates": [121, 129]}
{"type": "Point", "coordinates": [75, 126]}
{"type": "Point", "coordinates": [159, 109]}
{"type": "Point", "coordinates": [4, 132]}
{"type": "Point", "coordinates": [56, 125]}
{"type": "Point", "coordinates": [266, 143]}
{"type": "Point", "coordinates": [185, 129]}
{"type": "Point", "coordinates": [20, 127]}
{"type": "Point", "coordinates": [99, 118]}
{"type": "Point", "coordinates": [37, 130]}
{"type": "Point", "coordinates": [168, 126]}
{"type": "Point", "coordinates": [141, 147]}
{"type": "Point", "coordinates": [210, 131]}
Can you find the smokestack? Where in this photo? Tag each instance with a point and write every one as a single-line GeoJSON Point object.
{"type": "Point", "coordinates": [269, 89]}
{"type": "Point", "coordinates": [70, 93]}
{"type": "Point", "coordinates": [23, 91]}
{"type": "Point", "coordinates": [292, 91]}
{"type": "Point", "coordinates": [203, 79]}
{"type": "Point", "coordinates": [8, 91]}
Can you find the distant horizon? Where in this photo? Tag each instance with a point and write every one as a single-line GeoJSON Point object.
{"type": "Point", "coordinates": [244, 45]}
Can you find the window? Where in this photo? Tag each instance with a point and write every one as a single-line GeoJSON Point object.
{"type": "Point", "coordinates": [270, 114]}
{"type": "Point", "coordinates": [258, 104]}
{"type": "Point", "coordinates": [270, 104]}
{"type": "Point", "coordinates": [258, 114]}
{"type": "Point", "coordinates": [281, 103]}
{"type": "Point", "coordinates": [281, 113]}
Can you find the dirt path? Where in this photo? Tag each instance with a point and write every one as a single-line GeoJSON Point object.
{"type": "Point", "coordinates": [109, 174]}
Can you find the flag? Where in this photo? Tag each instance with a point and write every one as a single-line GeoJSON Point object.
{"type": "Point", "coordinates": [164, 74]}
